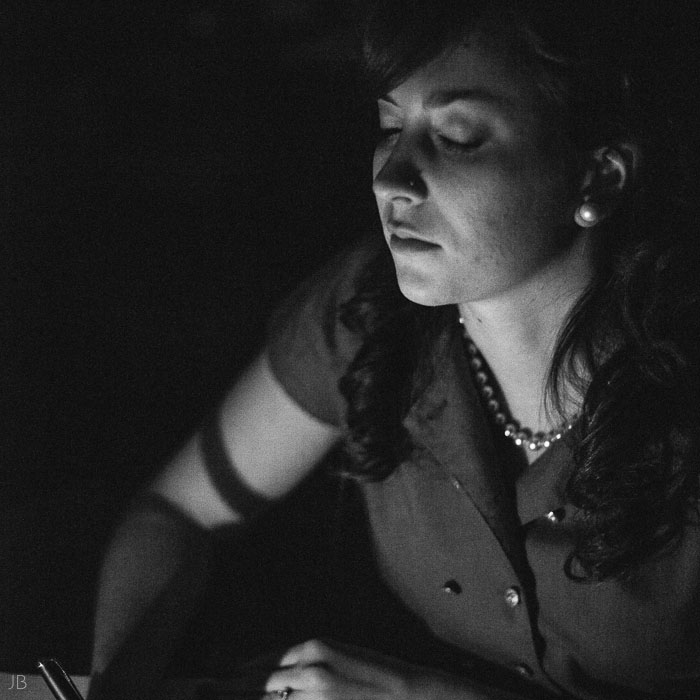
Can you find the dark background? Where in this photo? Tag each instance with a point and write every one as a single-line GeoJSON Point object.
{"type": "Point", "coordinates": [174, 168]}
{"type": "Point", "coordinates": [169, 171]}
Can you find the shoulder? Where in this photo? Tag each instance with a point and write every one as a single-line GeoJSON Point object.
{"type": "Point", "coordinates": [317, 302]}
{"type": "Point", "coordinates": [308, 346]}
{"type": "Point", "coordinates": [338, 279]}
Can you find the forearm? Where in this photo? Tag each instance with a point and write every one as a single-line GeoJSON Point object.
{"type": "Point", "coordinates": [152, 577]}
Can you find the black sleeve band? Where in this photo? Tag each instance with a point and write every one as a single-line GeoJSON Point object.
{"type": "Point", "coordinates": [223, 474]}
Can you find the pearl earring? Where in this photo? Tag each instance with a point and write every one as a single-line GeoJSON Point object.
{"type": "Point", "coordinates": [587, 215]}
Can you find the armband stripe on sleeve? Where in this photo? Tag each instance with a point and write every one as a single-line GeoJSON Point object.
{"type": "Point", "coordinates": [223, 473]}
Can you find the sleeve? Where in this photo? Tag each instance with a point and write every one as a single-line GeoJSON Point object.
{"type": "Point", "coordinates": [309, 349]}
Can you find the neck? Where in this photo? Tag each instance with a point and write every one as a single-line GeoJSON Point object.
{"type": "Point", "coordinates": [517, 334]}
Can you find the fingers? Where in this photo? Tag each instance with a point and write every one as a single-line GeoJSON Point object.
{"type": "Point", "coordinates": [312, 679]}
{"type": "Point", "coordinates": [305, 667]}
{"type": "Point", "coordinates": [314, 651]}
{"type": "Point", "coordinates": [317, 670]}
{"type": "Point", "coordinates": [285, 678]}
{"type": "Point", "coordinates": [295, 683]}
{"type": "Point", "coordinates": [346, 660]}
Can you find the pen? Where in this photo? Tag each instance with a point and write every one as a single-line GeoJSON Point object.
{"type": "Point", "coordinates": [58, 680]}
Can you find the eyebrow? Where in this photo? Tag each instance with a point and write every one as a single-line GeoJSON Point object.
{"type": "Point", "coordinates": [443, 98]}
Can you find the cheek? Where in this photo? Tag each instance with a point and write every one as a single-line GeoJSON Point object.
{"type": "Point", "coordinates": [507, 213]}
{"type": "Point", "coordinates": [484, 198]}
{"type": "Point", "coordinates": [531, 193]}
{"type": "Point", "coordinates": [379, 159]}
{"type": "Point", "coordinates": [553, 178]}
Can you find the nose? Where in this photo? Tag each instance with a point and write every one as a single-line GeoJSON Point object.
{"type": "Point", "coordinates": [397, 176]}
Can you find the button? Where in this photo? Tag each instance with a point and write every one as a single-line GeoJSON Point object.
{"type": "Point", "coordinates": [524, 670]}
{"type": "Point", "coordinates": [555, 516]}
{"type": "Point", "coordinates": [452, 587]}
{"type": "Point", "coordinates": [457, 483]}
{"type": "Point", "coordinates": [512, 596]}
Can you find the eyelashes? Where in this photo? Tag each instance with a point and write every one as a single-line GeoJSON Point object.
{"type": "Point", "coordinates": [460, 146]}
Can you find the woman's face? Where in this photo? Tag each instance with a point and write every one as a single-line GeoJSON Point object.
{"type": "Point", "coordinates": [475, 185]}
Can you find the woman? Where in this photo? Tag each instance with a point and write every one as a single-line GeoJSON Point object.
{"type": "Point", "coordinates": [512, 370]}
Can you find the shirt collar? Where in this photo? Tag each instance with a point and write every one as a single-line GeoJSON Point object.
{"type": "Point", "coordinates": [447, 418]}
{"type": "Point", "coordinates": [541, 488]}
{"type": "Point", "coordinates": [448, 421]}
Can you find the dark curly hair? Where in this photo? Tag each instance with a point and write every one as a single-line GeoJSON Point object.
{"type": "Point", "coordinates": [630, 344]}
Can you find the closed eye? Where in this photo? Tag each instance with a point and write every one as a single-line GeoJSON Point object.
{"type": "Point", "coordinates": [459, 146]}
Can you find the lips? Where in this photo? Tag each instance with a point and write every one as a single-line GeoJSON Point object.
{"type": "Point", "coordinates": [410, 245]}
{"type": "Point", "coordinates": [402, 238]}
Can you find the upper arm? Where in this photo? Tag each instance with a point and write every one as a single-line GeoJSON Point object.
{"type": "Point", "coordinates": [270, 441]}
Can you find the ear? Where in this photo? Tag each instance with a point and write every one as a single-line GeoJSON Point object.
{"type": "Point", "coordinates": [609, 175]}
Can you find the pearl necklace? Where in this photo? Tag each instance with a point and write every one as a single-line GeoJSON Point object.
{"type": "Point", "coordinates": [510, 427]}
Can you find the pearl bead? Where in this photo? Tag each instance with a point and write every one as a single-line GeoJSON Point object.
{"type": "Point", "coordinates": [587, 215]}
{"type": "Point", "coordinates": [519, 435]}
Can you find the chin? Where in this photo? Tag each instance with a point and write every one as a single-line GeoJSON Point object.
{"type": "Point", "coordinates": [422, 294]}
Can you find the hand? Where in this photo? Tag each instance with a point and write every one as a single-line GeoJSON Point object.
{"type": "Point", "coordinates": [320, 670]}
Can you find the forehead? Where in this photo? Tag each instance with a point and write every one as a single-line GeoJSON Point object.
{"type": "Point", "coordinates": [475, 70]}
